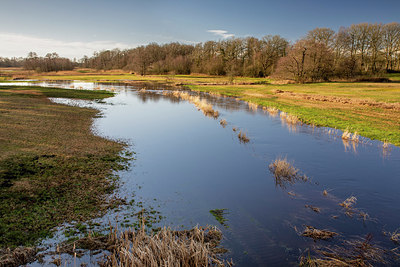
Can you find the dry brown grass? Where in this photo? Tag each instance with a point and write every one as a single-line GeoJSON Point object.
{"type": "Point", "coordinates": [288, 118]}
{"type": "Point", "coordinates": [315, 209]}
{"type": "Point", "coordinates": [18, 256]}
{"type": "Point", "coordinates": [348, 205]}
{"type": "Point", "coordinates": [285, 173]}
{"type": "Point", "coordinates": [243, 137]}
{"type": "Point", "coordinates": [318, 234]}
{"type": "Point", "coordinates": [252, 106]}
{"type": "Point", "coordinates": [348, 136]}
{"type": "Point", "coordinates": [271, 111]}
{"type": "Point", "coordinates": [223, 122]}
{"type": "Point", "coordinates": [357, 252]}
{"type": "Point", "coordinates": [394, 236]}
{"type": "Point", "coordinates": [201, 104]}
{"type": "Point", "coordinates": [196, 247]}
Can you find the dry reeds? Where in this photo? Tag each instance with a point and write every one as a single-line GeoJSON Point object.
{"type": "Point", "coordinates": [271, 111]}
{"type": "Point", "coordinates": [285, 173]}
{"type": "Point", "coordinates": [288, 118]}
{"type": "Point", "coordinates": [201, 104]}
{"type": "Point", "coordinates": [348, 136]}
{"type": "Point", "coordinates": [243, 137]}
{"type": "Point", "coordinates": [223, 122]}
{"type": "Point", "coordinates": [252, 106]}
{"type": "Point", "coordinates": [348, 205]}
{"type": "Point", "coordinates": [315, 209]}
{"type": "Point", "coordinates": [318, 234]}
{"type": "Point", "coordinates": [385, 144]}
{"type": "Point", "coordinates": [394, 236]}
{"type": "Point", "coordinates": [196, 247]}
{"type": "Point", "coordinates": [18, 256]}
{"type": "Point", "coordinates": [351, 253]}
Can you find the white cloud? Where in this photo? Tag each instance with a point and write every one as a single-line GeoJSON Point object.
{"type": "Point", "coordinates": [17, 45]}
{"type": "Point", "coordinates": [224, 34]}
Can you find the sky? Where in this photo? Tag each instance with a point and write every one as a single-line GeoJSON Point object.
{"type": "Point", "coordinates": [75, 28]}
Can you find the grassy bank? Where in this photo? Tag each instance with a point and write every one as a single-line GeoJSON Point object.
{"type": "Point", "coordinates": [371, 109]}
{"type": "Point", "coordinates": [52, 168]}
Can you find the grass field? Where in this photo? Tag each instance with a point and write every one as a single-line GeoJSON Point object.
{"type": "Point", "coordinates": [371, 109]}
{"type": "Point", "coordinates": [52, 168]}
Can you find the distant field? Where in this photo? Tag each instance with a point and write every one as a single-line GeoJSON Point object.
{"type": "Point", "coordinates": [371, 109]}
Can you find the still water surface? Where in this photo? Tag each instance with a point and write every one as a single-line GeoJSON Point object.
{"type": "Point", "coordinates": [187, 164]}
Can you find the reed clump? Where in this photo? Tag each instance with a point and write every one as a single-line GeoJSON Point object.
{"type": "Point", "coordinates": [358, 252]}
{"type": "Point", "coordinates": [315, 209]}
{"type": "Point", "coordinates": [195, 247]}
{"type": "Point", "coordinates": [243, 137]}
{"type": "Point", "coordinates": [252, 106]}
{"type": "Point", "coordinates": [348, 205]}
{"type": "Point", "coordinates": [348, 136]}
{"type": "Point", "coordinates": [223, 122]}
{"type": "Point", "coordinates": [394, 236]}
{"type": "Point", "coordinates": [288, 118]}
{"type": "Point", "coordinates": [318, 234]}
{"type": "Point", "coordinates": [271, 111]}
{"type": "Point", "coordinates": [18, 256]}
{"type": "Point", "coordinates": [201, 104]}
{"type": "Point", "coordinates": [285, 173]}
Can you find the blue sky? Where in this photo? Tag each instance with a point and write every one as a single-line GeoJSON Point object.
{"type": "Point", "coordinates": [77, 27]}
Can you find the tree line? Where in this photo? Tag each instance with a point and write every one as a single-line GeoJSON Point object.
{"type": "Point", "coordinates": [323, 54]}
{"type": "Point", "coordinates": [360, 49]}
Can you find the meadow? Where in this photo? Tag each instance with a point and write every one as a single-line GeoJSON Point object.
{"type": "Point", "coordinates": [52, 167]}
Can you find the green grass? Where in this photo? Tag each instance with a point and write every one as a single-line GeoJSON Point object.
{"type": "Point", "coordinates": [52, 168]}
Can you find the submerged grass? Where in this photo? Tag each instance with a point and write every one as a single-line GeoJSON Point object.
{"type": "Point", "coordinates": [52, 167]}
{"type": "Point", "coordinates": [356, 252]}
{"type": "Point", "coordinates": [318, 234]}
{"type": "Point", "coordinates": [219, 215]}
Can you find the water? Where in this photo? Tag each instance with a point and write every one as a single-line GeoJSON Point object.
{"type": "Point", "coordinates": [188, 164]}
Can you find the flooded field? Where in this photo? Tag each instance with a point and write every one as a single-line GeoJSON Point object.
{"type": "Point", "coordinates": [267, 191]}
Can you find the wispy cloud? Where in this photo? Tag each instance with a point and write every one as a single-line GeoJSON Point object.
{"type": "Point", "coordinates": [16, 45]}
{"type": "Point", "coordinates": [222, 33]}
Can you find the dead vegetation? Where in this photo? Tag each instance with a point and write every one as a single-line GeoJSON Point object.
{"type": "Point", "coordinates": [315, 209]}
{"type": "Point", "coordinates": [252, 106]}
{"type": "Point", "coordinates": [223, 122]}
{"type": "Point", "coordinates": [318, 234]}
{"type": "Point", "coordinates": [271, 111]}
{"type": "Point", "coordinates": [201, 104]}
{"type": "Point", "coordinates": [285, 173]}
{"type": "Point", "coordinates": [288, 118]}
{"type": "Point", "coordinates": [243, 137]}
{"type": "Point", "coordinates": [394, 236]}
{"type": "Point", "coordinates": [358, 252]}
{"type": "Point", "coordinates": [348, 136]}
{"type": "Point", "coordinates": [196, 247]}
{"type": "Point", "coordinates": [348, 205]}
{"type": "Point", "coordinates": [18, 256]}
